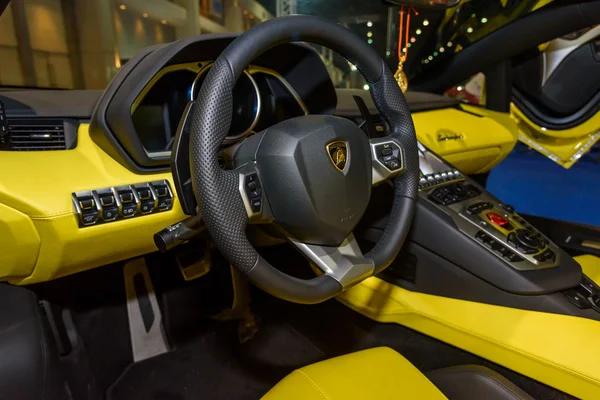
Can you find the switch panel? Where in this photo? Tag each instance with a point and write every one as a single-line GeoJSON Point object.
{"type": "Point", "coordinates": [94, 207]}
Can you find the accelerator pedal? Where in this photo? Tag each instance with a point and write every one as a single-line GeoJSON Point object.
{"type": "Point", "coordinates": [145, 319]}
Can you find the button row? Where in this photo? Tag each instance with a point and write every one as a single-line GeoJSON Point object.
{"type": "Point", "coordinates": [253, 191]}
{"type": "Point", "coordinates": [439, 177]}
{"type": "Point", "coordinates": [122, 202]}
{"type": "Point", "coordinates": [497, 247]}
{"type": "Point", "coordinates": [586, 295]}
{"type": "Point", "coordinates": [389, 155]}
{"type": "Point", "coordinates": [546, 256]}
{"type": "Point", "coordinates": [453, 193]}
{"type": "Point", "coordinates": [479, 207]}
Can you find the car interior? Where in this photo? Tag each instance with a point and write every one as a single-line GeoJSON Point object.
{"type": "Point", "coordinates": [223, 222]}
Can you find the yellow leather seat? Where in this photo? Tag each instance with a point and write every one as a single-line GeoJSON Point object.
{"type": "Point", "coordinates": [378, 373]}
{"type": "Point", "coordinates": [381, 373]}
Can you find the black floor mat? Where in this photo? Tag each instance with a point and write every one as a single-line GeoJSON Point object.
{"type": "Point", "coordinates": [216, 366]}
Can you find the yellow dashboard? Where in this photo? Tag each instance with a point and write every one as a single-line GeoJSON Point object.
{"type": "Point", "coordinates": [472, 138]}
{"type": "Point", "coordinates": [128, 140]}
{"type": "Point", "coordinates": [42, 239]}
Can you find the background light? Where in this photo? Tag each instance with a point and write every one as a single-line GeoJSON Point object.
{"type": "Point", "coordinates": [442, 49]}
{"type": "Point", "coordinates": [123, 7]}
{"type": "Point", "coordinates": [388, 53]}
{"type": "Point", "coordinates": [145, 15]}
{"type": "Point", "coordinates": [418, 31]}
{"type": "Point", "coordinates": [408, 45]}
{"type": "Point", "coordinates": [164, 22]}
{"type": "Point", "coordinates": [369, 34]}
{"type": "Point", "coordinates": [412, 40]}
{"type": "Point", "coordinates": [484, 20]}
{"type": "Point", "coordinates": [370, 41]}
{"type": "Point", "coordinates": [435, 53]}
{"type": "Point", "coordinates": [459, 88]}
{"type": "Point", "coordinates": [430, 58]}
{"type": "Point", "coordinates": [369, 24]}
{"type": "Point", "coordinates": [425, 22]}
{"type": "Point", "coordinates": [366, 87]}
{"type": "Point", "coordinates": [469, 30]}
{"type": "Point", "coordinates": [449, 44]}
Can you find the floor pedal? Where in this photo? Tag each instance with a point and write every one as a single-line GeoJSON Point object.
{"type": "Point", "coordinates": [145, 319]}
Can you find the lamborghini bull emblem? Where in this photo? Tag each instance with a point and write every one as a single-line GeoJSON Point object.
{"type": "Point", "coordinates": [338, 154]}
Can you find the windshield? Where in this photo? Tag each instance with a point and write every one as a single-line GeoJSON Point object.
{"type": "Point", "coordinates": [82, 44]}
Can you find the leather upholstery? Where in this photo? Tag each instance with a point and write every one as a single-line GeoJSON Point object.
{"type": "Point", "coordinates": [378, 373]}
{"type": "Point", "coordinates": [28, 360]}
{"type": "Point", "coordinates": [381, 373]}
{"type": "Point", "coordinates": [472, 381]}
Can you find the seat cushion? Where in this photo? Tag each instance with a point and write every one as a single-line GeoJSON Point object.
{"type": "Point", "coordinates": [466, 382]}
{"type": "Point", "coordinates": [28, 359]}
{"type": "Point", "coordinates": [379, 373]}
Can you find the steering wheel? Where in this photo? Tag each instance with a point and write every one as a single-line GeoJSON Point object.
{"type": "Point", "coordinates": [310, 175]}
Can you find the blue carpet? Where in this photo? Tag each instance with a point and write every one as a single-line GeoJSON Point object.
{"type": "Point", "coordinates": [535, 185]}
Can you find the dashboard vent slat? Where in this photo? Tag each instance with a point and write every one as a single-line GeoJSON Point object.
{"type": "Point", "coordinates": [36, 134]}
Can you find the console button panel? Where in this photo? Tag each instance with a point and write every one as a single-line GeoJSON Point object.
{"type": "Point", "coordinates": [104, 205]}
{"type": "Point", "coordinates": [492, 224]}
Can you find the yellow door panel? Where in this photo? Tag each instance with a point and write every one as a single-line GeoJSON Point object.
{"type": "Point", "coordinates": [564, 147]}
{"type": "Point", "coordinates": [19, 243]}
{"type": "Point", "coordinates": [558, 350]}
{"type": "Point", "coordinates": [475, 142]}
{"type": "Point", "coordinates": [39, 187]}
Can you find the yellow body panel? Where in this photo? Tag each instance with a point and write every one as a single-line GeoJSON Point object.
{"type": "Point", "coordinates": [590, 266]}
{"type": "Point", "coordinates": [477, 142]}
{"type": "Point", "coordinates": [564, 147]}
{"type": "Point", "coordinates": [378, 373]}
{"type": "Point", "coordinates": [558, 350]}
{"type": "Point", "coordinates": [39, 185]}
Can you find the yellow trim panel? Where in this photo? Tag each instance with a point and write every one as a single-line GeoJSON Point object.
{"type": "Point", "coordinates": [474, 141]}
{"type": "Point", "coordinates": [558, 350]}
{"type": "Point", "coordinates": [591, 266]}
{"type": "Point", "coordinates": [39, 224]}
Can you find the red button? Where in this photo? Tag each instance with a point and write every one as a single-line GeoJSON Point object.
{"type": "Point", "coordinates": [497, 219]}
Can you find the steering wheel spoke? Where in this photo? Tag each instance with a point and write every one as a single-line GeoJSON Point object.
{"type": "Point", "coordinates": [387, 158]}
{"type": "Point", "coordinates": [344, 263]}
{"type": "Point", "coordinates": [253, 195]}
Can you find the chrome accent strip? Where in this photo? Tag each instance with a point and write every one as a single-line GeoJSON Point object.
{"type": "Point", "coordinates": [345, 263]}
{"type": "Point", "coordinates": [380, 171]}
{"type": "Point", "coordinates": [265, 215]}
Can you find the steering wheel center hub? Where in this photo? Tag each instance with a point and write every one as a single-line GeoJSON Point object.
{"type": "Point", "coordinates": [316, 172]}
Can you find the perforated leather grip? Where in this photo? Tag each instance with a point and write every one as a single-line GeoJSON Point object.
{"type": "Point", "coordinates": [216, 189]}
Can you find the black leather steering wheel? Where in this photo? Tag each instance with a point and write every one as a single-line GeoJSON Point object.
{"type": "Point", "coordinates": [310, 175]}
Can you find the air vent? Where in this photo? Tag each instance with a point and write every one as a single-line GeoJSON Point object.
{"type": "Point", "coordinates": [35, 134]}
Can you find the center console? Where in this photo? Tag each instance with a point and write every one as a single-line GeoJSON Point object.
{"type": "Point", "coordinates": [494, 225]}
{"type": "Point", "coordinates": [467, 244]}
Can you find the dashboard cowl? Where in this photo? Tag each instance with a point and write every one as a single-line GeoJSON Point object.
{"type": "Point", "coordinates": [112, 127]}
